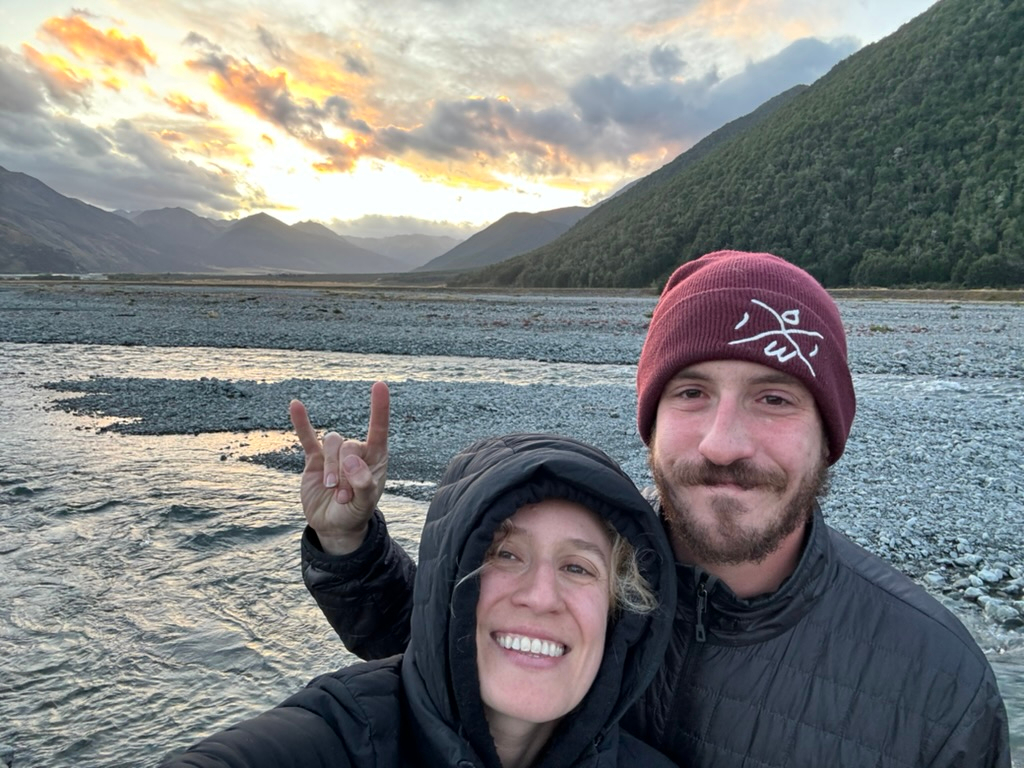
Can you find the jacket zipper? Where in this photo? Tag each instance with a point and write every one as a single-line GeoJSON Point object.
{"type": "Point", "coordinates": [691, 657]}
{"type": "Point", "coordinates": [702, 607]}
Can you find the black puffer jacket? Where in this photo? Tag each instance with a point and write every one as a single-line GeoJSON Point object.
{"type": "Point", "coordinates": [424, 708]}
{"type": "Point", "coordinates": [849, 663]}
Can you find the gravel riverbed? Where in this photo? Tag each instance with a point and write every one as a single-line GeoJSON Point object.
{"type": "Point", "coordinates": [932, 479]}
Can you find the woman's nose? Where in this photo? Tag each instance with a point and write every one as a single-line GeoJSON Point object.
{"type": "Point", "coordinates": [538, 588]}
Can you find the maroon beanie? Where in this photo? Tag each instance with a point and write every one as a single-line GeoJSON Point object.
{"type": "Point", "coordinates": [731, 305]}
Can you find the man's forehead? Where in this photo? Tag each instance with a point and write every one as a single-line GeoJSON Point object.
{"type": "Point", "coordinates": [749, 372]}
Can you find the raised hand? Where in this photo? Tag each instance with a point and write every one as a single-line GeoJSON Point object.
{"type": "Point", "coordinates": [343, 478]}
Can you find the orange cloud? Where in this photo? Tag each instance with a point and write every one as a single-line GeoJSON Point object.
{"type": "Point", "coordinates": [174, 137]}
{"type": "Point", "coordinates": [183, 105]}
{"type": "Point", "coordinates": [339, 157]}
{"type": "Point", "coordinates": [459, 175]}
{"type": "Point", "coordinates": [319, 78]}
{"type": "Point", "coordinates": [318, 68]}
{"type": "Point", "coordinates": [110, 48]}
{"type": "Point", "coordinates": [269, 95]}
{"type": "Point", "coordinates": [264, 94]}
{"type": "Point", "coordinates": [221, 148]}
{"type": "Point", "coordinates": [209, 140]}
{"type": "Point", "coordinates": [59, 76]}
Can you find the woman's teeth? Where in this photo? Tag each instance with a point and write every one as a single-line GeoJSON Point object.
{"type": "Point", "coordinates": [532, 645]}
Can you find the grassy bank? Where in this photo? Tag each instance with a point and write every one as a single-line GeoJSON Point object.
{"type": "Point", "coordinates": [436, 282]}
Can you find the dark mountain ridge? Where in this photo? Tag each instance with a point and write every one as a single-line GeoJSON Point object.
{"type": "Point", "coordinates": [511, 235]}
{"type": "Point", "coordinates": [41, 230]}
{"type": "Point", "coordinates": [44, 231]}
{"type": "Point", "coordinates": [899, 167]}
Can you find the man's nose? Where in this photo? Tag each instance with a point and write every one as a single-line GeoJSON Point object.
{"type": "Point", "coordinates": [727, 436]}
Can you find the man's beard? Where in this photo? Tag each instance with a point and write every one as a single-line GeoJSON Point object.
{"type": "Point", "coordinates": [724, 540]}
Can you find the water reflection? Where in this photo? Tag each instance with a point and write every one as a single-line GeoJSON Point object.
{"type": "Point", "coordinates": [272, 365]}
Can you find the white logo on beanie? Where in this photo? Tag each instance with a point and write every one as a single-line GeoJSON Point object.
{"type": "Point", "coordinates": [787, 330]}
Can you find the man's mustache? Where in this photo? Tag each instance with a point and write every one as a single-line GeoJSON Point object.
{"type": "Point", "coordinates": [740, 473]}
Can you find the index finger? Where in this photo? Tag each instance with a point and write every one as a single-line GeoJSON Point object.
{"type": "Point", "coordinates": [377, 433]}
{"type": "Point", "coordinates": [304, 428]}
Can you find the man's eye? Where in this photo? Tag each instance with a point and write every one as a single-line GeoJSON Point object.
{"type": "Point", "coordinates": [689, 393]}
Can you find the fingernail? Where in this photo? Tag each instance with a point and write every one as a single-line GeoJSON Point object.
{"type": "Point", "coordinates": [351, 463]}
{"type": "Point", "coordinates": [331, 481]}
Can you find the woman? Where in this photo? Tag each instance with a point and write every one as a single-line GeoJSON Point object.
{"type": "Point", "coordinates": [538, 619]}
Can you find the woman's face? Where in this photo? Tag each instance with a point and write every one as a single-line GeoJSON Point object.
{"type": "Point", "coordinates": [543, 612]}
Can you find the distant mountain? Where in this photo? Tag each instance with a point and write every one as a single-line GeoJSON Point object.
{"type": "Point", "coordinates": [509, 236]}
{"type": "Point", "coordinates": [44, 231]}
{"type": "Point", "coordinates": [411, 250]}
{"type": "Point", "coordinates": [316, 228]}
{"type": "Point", "coordinates": [901, 166]}
{"type": "Point", "coordinates": [178, 231]}
{"type": "Point", "coordinates": [262, 243]}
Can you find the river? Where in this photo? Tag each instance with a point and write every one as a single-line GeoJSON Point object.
{"type": "Point", "coordinates": [149, 586]}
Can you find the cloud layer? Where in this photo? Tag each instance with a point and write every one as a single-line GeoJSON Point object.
{"type": "Point", "coordinates": [186, 110]}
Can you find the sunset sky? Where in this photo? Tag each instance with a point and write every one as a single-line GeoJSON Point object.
{"type": "Point", "coordinates": [393, 116]}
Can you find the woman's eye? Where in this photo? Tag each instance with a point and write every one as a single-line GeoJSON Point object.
{"type": "Point", "coordinates": [504, 554]}
{"type": "Point", "coordinates": [579, 570]}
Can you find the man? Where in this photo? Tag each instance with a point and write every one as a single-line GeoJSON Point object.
{"type": "Point", "coordinates": [792, 646]}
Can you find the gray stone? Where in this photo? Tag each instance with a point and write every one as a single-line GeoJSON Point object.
{"type": "Point", "coordinates": [991, 575]}
{"type": "Point", "coordinates": [969, 560]}
{"type": "Point", "coordinates": [1002, 612]}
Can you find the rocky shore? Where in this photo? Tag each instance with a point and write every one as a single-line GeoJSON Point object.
{"type": "Point", "coordinates": [932, 480]}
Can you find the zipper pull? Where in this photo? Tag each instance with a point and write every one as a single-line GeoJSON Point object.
{"type": "Point", "coordinates": [702, 606]}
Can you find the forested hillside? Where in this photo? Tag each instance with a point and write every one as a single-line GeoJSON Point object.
{"type": "Point", "coordinates": [903, 166]}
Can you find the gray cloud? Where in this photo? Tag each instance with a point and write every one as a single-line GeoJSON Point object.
{"type": "Point", "coordinates": [117, 166]}
{"type": "Point", "coordinates": [200, 41]}
{"type": "Point", "coordinates": [607, 118]}
{"type": "Point", "coordinates": [275, 47]}
{"type": "Point", "coordinates": [455, 129]}
{"type": "Point", "coordinates": [666, 61]}
{"type": "Point", "coordinates": [802, 62]}
{"type": "Point", "coordinates": [355, 65]}
{"type": "Point", "coordinates": [18, 92]}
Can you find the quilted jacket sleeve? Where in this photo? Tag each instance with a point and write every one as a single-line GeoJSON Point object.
{"type": "Point", "coordinates": [982, 739]}
{"type": "Point", "coordinates": [349, 718]}
{"type": "Point", "coordinates": [366, 595]}
{"type": "Point", "coordinates": [287, 737]}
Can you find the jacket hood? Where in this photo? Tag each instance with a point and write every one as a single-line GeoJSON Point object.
{"type": "Point", "coordinates": [482, 486]}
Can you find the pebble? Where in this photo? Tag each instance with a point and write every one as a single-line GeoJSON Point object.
{"type": "Point", "coordinates": [991, 575]}
{"type": "Point", "coordinates": [1001, 612]}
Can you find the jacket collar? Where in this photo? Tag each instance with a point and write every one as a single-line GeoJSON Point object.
{"type": "Point", "coordinates": [730, 620]}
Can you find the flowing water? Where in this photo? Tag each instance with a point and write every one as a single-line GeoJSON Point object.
{"type": "Point", "coordinates": [149, 586]}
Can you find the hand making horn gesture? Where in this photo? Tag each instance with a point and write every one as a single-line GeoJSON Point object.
{"type": "Point", "coordinates": [343, 478]}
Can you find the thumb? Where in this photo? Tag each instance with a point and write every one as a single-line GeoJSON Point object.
{"type": "Point", "coordinates": [360, 480]}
